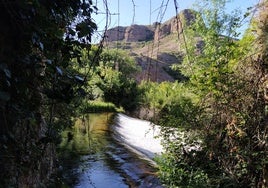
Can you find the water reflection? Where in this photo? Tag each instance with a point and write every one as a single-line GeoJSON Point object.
{"type": "Point", "coordinates": [91, 157]}
{"type": "Point", "coordinates": [88, 135]}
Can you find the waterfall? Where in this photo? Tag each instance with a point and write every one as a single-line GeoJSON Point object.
{"type": "Point", "coordinates": [138, 135]}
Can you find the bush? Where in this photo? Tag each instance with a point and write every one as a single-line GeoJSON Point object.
{"type": "Point", "coordinates": [98, 106]}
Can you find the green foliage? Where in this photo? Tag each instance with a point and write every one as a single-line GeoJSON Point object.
{"type": "Point", "coordinates": [117, 88]}
{"type": "Point", "coordinates": [208, 50]}
{"type": "Point", "coordinates": [98, 106]}
{"type": "Point", "coordinates": [225, 112]}
{"type": "Point", "coordinates": [160, 95]}
{"type": "Point", "coordinates": [113, 79]}
{"type": "Point", "coordinates": [180, 166]}
{"type": "Point", "coordinates": [119, 60]}
{"type": "Point", "coordinates": [177, 111]}
{"type": "Point", "coordinates": [38, 40]}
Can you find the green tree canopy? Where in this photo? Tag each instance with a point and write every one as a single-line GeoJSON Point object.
{"type": "Point", "coordinates": [38, 39]}
{"type": "Point", "coordinates": [228, 128]}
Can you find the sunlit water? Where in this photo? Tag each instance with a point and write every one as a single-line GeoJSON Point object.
{"type": "Point", "coordinates": [102, 151]}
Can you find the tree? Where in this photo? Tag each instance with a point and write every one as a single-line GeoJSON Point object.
{"type": "Point", "coordinates": [38, 39]}
{"type": "Point", "coordinates": [116, 72]}
{"type": "Point", "coordinates": [229, 117]}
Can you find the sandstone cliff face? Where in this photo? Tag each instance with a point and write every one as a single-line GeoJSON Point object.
{"type": "Point", "coordinates": [133, 33]}
{"type": "Point", "coordinates": [115, 34]}
{"type": "Point", "coordinates": [155, 63]}
{"type": "Point", "coordinates": [138, 33]}
{"type": "Point", "coordinates": [175, 24]}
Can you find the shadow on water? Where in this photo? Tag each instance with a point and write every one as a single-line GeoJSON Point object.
{"type": "Point", "coordinates": [91, 157]}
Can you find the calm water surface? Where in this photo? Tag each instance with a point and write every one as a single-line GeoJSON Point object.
{"type": "Point", "coordinates": [92, 156]}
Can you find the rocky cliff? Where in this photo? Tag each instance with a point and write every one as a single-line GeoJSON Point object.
{"type": "Point", "coordinates": [133, 33]}
{"type": "Point", "coordinates": [138, 33]}
{"type": "Point", "coordinates": [155, 47]}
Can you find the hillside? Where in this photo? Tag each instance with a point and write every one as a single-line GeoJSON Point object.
{"type": "Point", "coordinates": [155, 47]}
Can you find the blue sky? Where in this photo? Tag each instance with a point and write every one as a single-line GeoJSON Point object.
{"type": "Point", "coordinates": [142, 14]}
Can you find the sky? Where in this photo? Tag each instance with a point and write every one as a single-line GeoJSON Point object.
{"type": "Point", "coordinates": [146, 12]}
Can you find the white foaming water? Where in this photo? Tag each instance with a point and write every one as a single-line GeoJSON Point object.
{"type": "Point", "coordinates": [138, 135]}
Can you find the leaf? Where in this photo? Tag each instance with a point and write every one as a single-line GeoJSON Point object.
{"type": "Point", "coordinates": [7, 73]}
{"type": "Point", "coordinates": [71, 32]}
{"type": "Point", "coordinates": [84, 29]}
{"type": "Point", "coordinates": [95, 8]}
{"type": "Point", "coordinates": [8, 83]}
{"type": "Point", "coordinates": [69, 76]}
{"type": "Point", "coordinates": [48, 61]}
{"type": "Point", "coordinates": [59, 71]}
{"type": "Point", "coordinates": [81, 92]}
{"type": "Point", "coordinates": [79, 79]}
{"type": "Point", "coordinates": [4, 96]}
{"type": "Point", "coordinates": [5, 69]}
{"type": "Point", "coordinates": [41, 46]}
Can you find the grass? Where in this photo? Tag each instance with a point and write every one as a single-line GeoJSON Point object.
{"type": "Point", "coordinates": [99, 106]}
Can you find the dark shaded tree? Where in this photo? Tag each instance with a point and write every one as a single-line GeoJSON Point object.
{"type": "Point", "coordinates": [37, 40]}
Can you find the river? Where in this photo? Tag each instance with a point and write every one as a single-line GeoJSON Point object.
{"type": "Point", "coordinates": [109, 151]}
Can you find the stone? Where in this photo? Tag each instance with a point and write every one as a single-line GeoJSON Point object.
{"type": "Point", "coordinates": [156, 31]}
